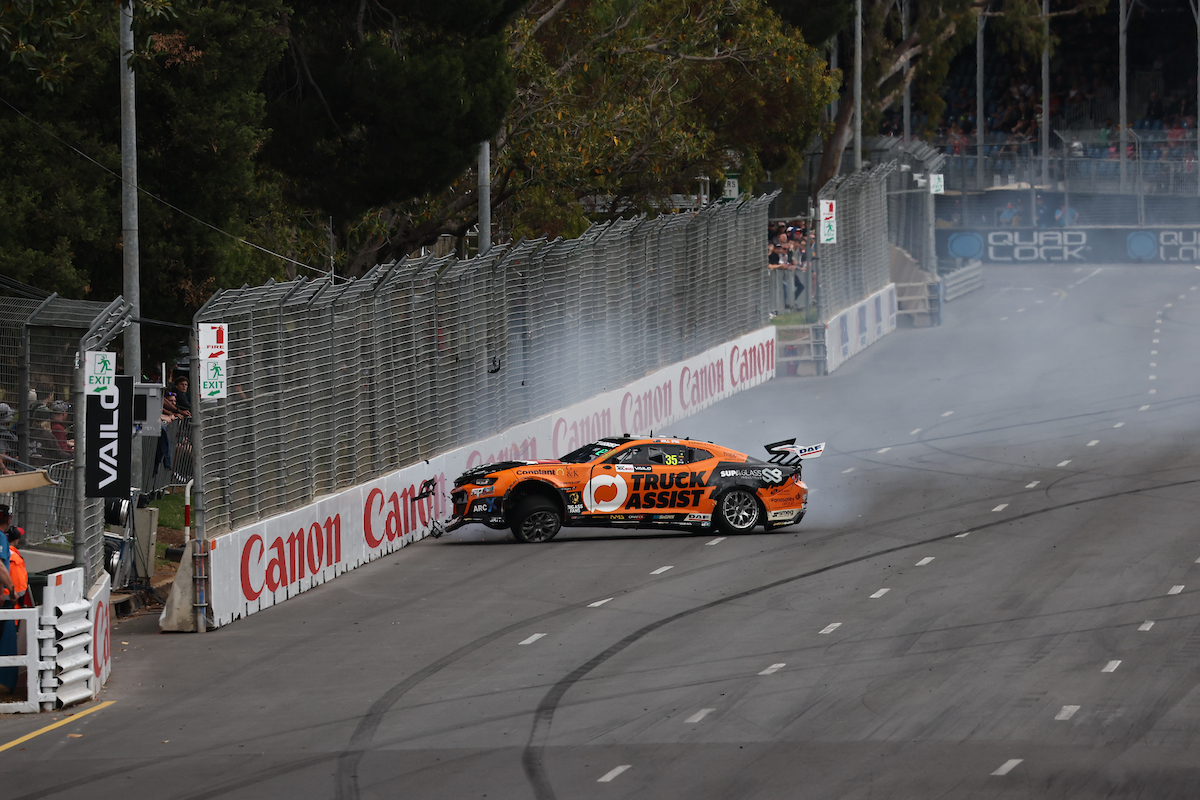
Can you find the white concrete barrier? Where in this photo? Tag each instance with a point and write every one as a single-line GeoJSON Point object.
{"type": "Point", "coordinates": [858, 327]}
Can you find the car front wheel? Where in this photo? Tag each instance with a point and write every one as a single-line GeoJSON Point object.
{"type": "Point", "coordinates": [738, 511]}
{"type": "Point", "coordinates": [536, 519]}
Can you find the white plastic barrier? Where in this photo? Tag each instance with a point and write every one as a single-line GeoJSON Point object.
{"type": "Point", "coordinates": [66, 644]}
{"type": "Point", "coordinates": [855, 329]}
{"type": "Point", "coordinates": [268, 562]}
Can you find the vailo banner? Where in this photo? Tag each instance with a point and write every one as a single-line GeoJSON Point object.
{"type": "Point", "coordinates": [268, 562]}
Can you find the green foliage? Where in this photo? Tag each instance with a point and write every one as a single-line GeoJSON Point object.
{"type": "Point", "coordinates": [380, 102]}
{"type": "Point", "coordinates": [620, 104]}
{"type": "Point", "coordinates": [200, 129]}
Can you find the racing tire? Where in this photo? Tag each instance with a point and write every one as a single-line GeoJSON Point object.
{"type": "Point", "coordinates": [738, 511]}
{"type": "Point", "coordinates": [536, 519]}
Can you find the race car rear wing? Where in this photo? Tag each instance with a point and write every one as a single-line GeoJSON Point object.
{"type": "Point", "coordinates": [788, 454]}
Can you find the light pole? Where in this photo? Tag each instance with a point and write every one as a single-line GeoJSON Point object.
{"type": "Point", "coordinates": [131, 281]}
{"type": "Point", "coordinates": [858, 109]}
{"type": "Point", "coordinates": [1123, 27]}
{"type": "Point", "coordinates": [905, 9]}
{"type": "Point", "coordinates": [980, 121]}
{"type": "Point", "coordinates": [1044, 137]}
{"type": "Point", "coordinates": [485, 197]}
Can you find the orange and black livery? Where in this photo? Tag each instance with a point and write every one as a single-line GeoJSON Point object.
{"type": "Point", "coordinates": [639, 483]}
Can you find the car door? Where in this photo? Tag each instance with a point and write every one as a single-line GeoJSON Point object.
{"type": "Point", "coordinates": [671, 485]}
{"type": "Point", "coordinates": [611, 482]}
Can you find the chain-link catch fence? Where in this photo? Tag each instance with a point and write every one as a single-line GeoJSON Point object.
{"type": "Point", "coordinates": [333, 385]}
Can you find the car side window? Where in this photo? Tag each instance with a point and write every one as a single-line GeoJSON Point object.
{"type": "Point", "coordinates": [638, 454]}
{"type": "Point", "coordinates": [670, 455]}
{"type": "Point", "coordinates": [697, 454]}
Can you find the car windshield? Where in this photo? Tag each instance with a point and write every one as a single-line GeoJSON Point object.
{"type": "Point", "coordinates": [591, 451]}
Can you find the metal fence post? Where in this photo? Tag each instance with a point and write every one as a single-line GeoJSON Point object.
{"type": "Point", "coordinates": [199, 536]}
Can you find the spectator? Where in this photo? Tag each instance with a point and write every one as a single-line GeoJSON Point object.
{"type": "Point", "coordinates": [8, 630]}
{"type": "Point", "coordinates": [182, 401]}
{"type": "Point", "coordinates": [1065, 216]}
{"type": "Point", "coordinates": [782, 272]}
{"type": "Point", "coordinates": [43, 448]}
{"type": "Point", "coordinates": [1041, 213]}
{"type": "Point", "coordinates": [16, 570]}
{"type": "Point", "coordinates": [58, 427]}
{"type": "Point", "coordinates": [1154, 109]}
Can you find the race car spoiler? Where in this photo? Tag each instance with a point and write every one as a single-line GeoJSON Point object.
{"type": "Point", "coordinates": [788, 454]}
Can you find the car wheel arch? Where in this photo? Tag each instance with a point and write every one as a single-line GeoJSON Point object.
{"type": "Point", "coordinates": [533, 486]}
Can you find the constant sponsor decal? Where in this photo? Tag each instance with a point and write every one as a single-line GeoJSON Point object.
{"type": "Point", "coordinates": [698, 518]}
{"type": "Point", "coordinates": [482, 491]}
{"type": "Point", "coordinates": [783, 513]}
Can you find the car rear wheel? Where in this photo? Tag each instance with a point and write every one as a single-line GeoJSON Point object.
{"type": "Point", "coordinates": [536, 519]}
{"type": "Point", "coordinates": [738, 511]}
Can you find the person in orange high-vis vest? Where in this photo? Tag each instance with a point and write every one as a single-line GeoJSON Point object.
{"type": "Point", "coordinates": [17, 571]}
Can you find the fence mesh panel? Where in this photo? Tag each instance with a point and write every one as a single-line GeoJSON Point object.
{"type": "Point", "coordinates": [331, 386]}
{"type": "Point", "coordinates": [858, 264]}
{"type": "Point", "coordinates": [38, 343]}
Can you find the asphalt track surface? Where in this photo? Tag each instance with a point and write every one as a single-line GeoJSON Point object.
{"type": "Point", "coordinates": [996, 594]}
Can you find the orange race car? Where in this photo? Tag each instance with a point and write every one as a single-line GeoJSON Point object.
{"type": "Point", "coordinates": [632, 482]}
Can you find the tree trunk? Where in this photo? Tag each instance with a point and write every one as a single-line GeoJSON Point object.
{"type": "Point", "coordinates": [835, 144]}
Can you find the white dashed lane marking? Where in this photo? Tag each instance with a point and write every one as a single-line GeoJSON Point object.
{"type": "Point", "coordinates": [717, 540]}
{"type": "Point", "coordinates": [1176, 589]}
{"type": "Point", "coordinates": [612, 773]}
{"type": "Point", "coordinates": [661, 570]}
{"type": "Point", "coordinates": [1154, 363]}
{"type": "Point", "coordinates": [1144, 408]}
{"type": "Point", "coordinates": [880, 594]}
{"type": "Point", "coordinates": [1020, 311]}
{"type": "Point", "coordinates": [1003, 506]}
{"type": "Point", "coordinates": [1153, 352]}
{"type": "Point", "coordinates": [1032, 484]}
{"type": "Point", "coordinates": [1064, 463]}
{"type": "Point", "coordinates": [948, 413]}
{"type": "Point", "coordinates": [1154, 341]}
{"type": "Point", "coordinates": [914, 431]}
{"type": "Point", "coordinates": [1111, 666]}
{"type": "Point", "coordinates": [699, 715]}
{"type": "Point", "coordinates": [884, 450]}
{"type": "Point", "coordinates": [532, 639]}
{"type": "Point", "coordinates": [1119, 425]}
{"type": "Point", "coordinates": [1007, 766]}
{"type": "Point", "coordinates": [831, 627]}
{"type": "Point", "coordinates": [1153, 377]}
{"type": "Point", "coordinates": [925, 560]}
{"type": "Point", "coordinates": [962, 535]}
{"type": "Point", "coordinates": [1066, 713]}
{"type": "Point", "coordinates": [846, 471]}
{"type": "Point", "coordinates": [1147, 625]}
{"type": "Point", "coordinates": [1003, 318]}
{"type": "Point", "coordinates": [1153, 391]}
{"type": "Point", "coordinates": [771, 670]}
{"type": "Point", "coordinates": [599, 603]}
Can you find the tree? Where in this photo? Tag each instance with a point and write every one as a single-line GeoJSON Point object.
{"type": "Point", "coordinates": [379, 101]}
{"type": "Point", "coordinates": [620, 104]}
{"type": "Point", "coordinates": [201, 126]}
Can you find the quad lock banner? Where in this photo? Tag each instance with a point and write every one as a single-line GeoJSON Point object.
{"type": "Point", "coordinates": [1071, 245]}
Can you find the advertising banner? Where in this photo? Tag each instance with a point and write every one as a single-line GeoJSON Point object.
{"type": "Point", "coordinates": [268, 562]}
{"type": "Point", "coordinates": [109, 440]}
{"type": "Point", "coordinates": [860, 326]}
{"type": "Point", "coordinates": [1071, 245]}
